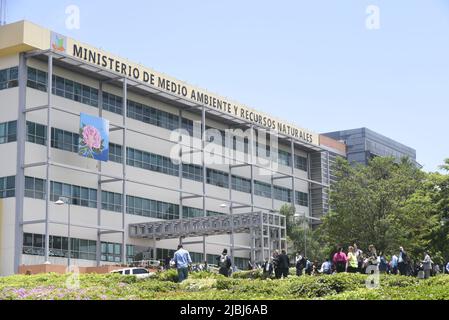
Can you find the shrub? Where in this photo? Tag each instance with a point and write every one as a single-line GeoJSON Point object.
{"type": "Point", "coordinates": [312, 287]}
{"type": "Point", "coordinates": [249, 274]}
{"type": "Point", "coordinates": [167, 275]}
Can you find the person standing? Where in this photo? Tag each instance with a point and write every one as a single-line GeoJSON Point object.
{"type": "Point", "coordinates": [224, 263]}
{"type": "Point", "coordinates": [436, 269]}
{"type": "Point", "coordinates": [402, 261]}
{"type": "Point", "coordinates": [283, 264]}
{"type": "Point", "coordinates": [447, 267]}
{"type": "Point", "coordinates": [373, 259]}
{"type": "Point", "coordinates": [340, 260]}
{"type": "Point", "coordinates": [394, 264]}
{"type": "Point", "coordinates": [267, 268]}
{"type": "Point", "coordinates": [383, 264]}
{"type": "Point", "coordinates": [427, 265]}
{"type": "Point", "coordinates": [309, 267]}
{"type": "Point", "coordinates": [326, 267]}
{"type": "Point", "coordinates": [300, 264]}
{"type": "Point", "coordinates": [182, 261]}
{"type": "Point", "coordinates": [352, 264]}
{"type": "Point", "coordinates": [167, 263]}
{"type": "Point", "coordinates": [359, 256]}
{"type": "Point", "coordinates": [275, 260]}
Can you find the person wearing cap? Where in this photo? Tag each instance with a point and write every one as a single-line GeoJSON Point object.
{"type": "Point", "coordinates": [182, 260]}
{"type": "Point", "coordinates": [224, 263]}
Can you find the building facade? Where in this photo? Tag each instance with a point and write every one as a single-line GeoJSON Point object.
{"type": "Point", "coordinates": [364, 144]}
{"type": "Point", "coordinates": [218, 165]}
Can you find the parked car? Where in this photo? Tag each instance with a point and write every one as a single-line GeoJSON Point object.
{"type": "Point", "coordinates": [138, 272]}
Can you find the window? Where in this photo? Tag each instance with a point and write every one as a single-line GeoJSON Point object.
{"type": "Point", "coordinates": [36, 133]}
{"type": "Point", "coordinates": [115, 152]}
{"type": "Point", "coordinates": [7, 187]}
{"type": "Point", "coordinates": [64, 140]}
{"type": "Point", "coordinates": [301, 163]}
{"type": "Point", "coordinates": [34, 188]}
{"type": "Point", "coordinates": [37, 79]}
{"type": "Point", "coordinates": [217, 178]}
{"type": "Point", "coordinates": [241, 184]}
{"type": "Point", "coordinates": [8, 131]}
{"type": "Point", "coordinates": [189, 212]}
{"type": "Point", "coordinates": [140, 271]}
{"type": "Point", "coordinates": [193, 172]}
{"type": "Point", "coordinates": [262, 189]}
{"type": "Point", "coordinates": [112, 103]}
{"type": "Point", "coordinates": [9, 78]}
{"type": "Point", "coordinates": [282, 194]}
{"type": "Point", "coordinates": [111, 201]}
{"type": "Point", "coordinates": [302, 199]}
{"type": "Point", "coordinates": [284, 158]}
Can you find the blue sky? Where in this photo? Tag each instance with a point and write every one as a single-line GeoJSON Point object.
{"type": "Point", "coordinates": [311, 62]}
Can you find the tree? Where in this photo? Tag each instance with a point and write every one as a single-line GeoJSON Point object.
{"type": "Point", "coordinates": [382, 203]}
{"type": "Point", "coordinates": [437, 188]}
{"type": "Point", "coordinates": [300, 237]}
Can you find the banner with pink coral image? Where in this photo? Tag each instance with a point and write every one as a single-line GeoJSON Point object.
{"type": "Point", "coordinates": [94, 137]}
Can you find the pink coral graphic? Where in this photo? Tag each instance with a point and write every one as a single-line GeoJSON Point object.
{"type": "Point", "coordinates": [91, 137]}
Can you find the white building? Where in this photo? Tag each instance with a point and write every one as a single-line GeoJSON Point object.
{"type": "Point", "coordinates": [88, 80]}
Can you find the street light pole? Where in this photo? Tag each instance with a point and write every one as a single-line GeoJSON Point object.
{"type": "Point", "coordinates": [305, 236]}
{"type": "Point", "coordinates": [68, 234]}
{"type": "Point", "coordinates": [59, 202]}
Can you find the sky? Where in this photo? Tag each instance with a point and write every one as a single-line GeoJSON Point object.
{"type": "Point", "coordinates": [324, 65]}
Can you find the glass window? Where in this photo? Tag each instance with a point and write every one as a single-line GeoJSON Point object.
{"type": "Point", "coordinates": [9, 78]}
{"type": "Point", "coordinates": [28, 239]}
{"type": "Point", "coordinates": [300, 163]}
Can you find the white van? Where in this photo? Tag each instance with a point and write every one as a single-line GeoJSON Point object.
{"type": "Point", "coordinates": [138, 272]}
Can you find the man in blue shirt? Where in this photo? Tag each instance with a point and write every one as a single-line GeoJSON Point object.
{"type": "Point", "coordinates": [326, 267]}
{"type": "Point", "coordinates": [182, 260]}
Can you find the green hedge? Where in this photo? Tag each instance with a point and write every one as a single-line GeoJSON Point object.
{"type": "Point", "coordinates": [205, 285]}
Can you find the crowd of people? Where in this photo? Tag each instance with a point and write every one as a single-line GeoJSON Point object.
{"type": "Point", "coordinates": [354, 260]}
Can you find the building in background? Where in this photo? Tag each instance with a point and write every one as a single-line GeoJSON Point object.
{"type": "Point", "coordinates": [363, 144]}
{"type": "Point", "coordinates": [48, 80]}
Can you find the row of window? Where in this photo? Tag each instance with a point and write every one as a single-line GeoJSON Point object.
{"type": "Point", "coordinates": [68, 141]}
{"type": "Point", "coordinates": [87, 197]}
{"type": "Point", "coordinates": [112, 201]}
{"type": "Point", "coordinates": [72, 90]}
{"type": "Point", "coordinates": [69, 89]}
{"type": "Point", "coordinates": [34, 244]}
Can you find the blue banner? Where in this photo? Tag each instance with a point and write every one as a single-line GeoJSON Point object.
{"type": "Point", "coordinates": [93, 137]}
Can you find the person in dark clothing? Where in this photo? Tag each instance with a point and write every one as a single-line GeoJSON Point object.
{"type": "Point", "coordinates": [403, 262]}
{"type": "Point", "coordinates": [283, 264]}
{"type": "Point", "coordinates": [383, 264]}
{"type": "Point", "coordinates": [275, 261]}
{"type": "Point", "coordinates": [224, 263]}
{"type": "Point", "coordinates": [167, 263]}
{"type": "Point", "coordinates": [309, 267]}
{"type": "Point", "coordinates": [300, 264]}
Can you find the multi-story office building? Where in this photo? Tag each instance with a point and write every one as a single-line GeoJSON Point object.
{"type": "Point", "coordinates": [363, 144]}
{"type": "Point", "coordinates": [111, 208]}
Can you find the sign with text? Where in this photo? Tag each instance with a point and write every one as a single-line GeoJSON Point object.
{"type": "Point", "coordinates": [181, 89]}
